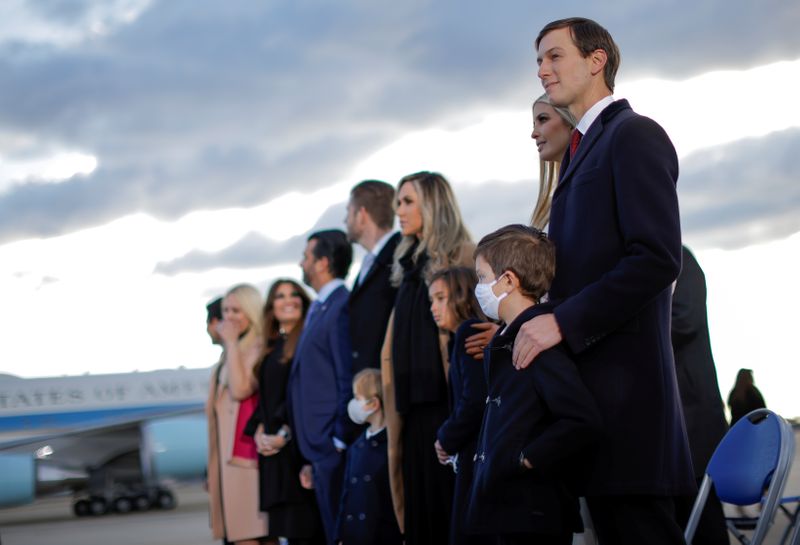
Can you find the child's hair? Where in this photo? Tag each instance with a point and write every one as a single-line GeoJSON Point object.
{"type": "Point", "coordinates": [367, 383]}
{"type": "Point", "coordinates": [461, 301]}
{"type": "Point", "coordinates": [524, 250]}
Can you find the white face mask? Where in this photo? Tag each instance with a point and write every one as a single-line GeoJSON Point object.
{"type": "Point", "coordinates": [489, 302]}
{"type": "Point", "coordinates": [357, 412]}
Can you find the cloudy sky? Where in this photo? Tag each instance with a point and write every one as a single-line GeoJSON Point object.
{"type": "Point", "coordinates": [153, 153]}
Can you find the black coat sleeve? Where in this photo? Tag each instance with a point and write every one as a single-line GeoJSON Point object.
{"type": "Point", "coordinates": [465, 421]}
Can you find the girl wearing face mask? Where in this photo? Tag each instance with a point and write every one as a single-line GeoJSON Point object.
{"type": "Point", "coordinates": [366, 515]}
{"type": "Point", "coordinates": [414, 356]}
{"type": "Point", "coordinates": [291, 508]}
{"type": "Point", "coordinates": [455, 310]}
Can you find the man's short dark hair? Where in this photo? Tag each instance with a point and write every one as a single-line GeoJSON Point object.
{"type": "Point", "coordinates": [214, 310]}
{"type": "Point", "coordinates": [588, 36]}
{"type": "Point", "coordinates": [377, 198]}
{"type": "Point", "coordinates": [332, 243]}
{"type": "Point", "coordinates": [524, 250]}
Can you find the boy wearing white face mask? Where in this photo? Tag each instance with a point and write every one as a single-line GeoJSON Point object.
{"type": "Point", "coordinates": [366, 514]}
{"type": "Point", "coordinates": [537, 421]}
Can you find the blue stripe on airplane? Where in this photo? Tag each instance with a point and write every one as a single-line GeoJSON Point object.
{"type": "Point", "coordinates": [29, 422]}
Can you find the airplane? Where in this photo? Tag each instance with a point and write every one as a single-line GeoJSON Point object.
{"type": "Point", "coordinates": [112, 441]}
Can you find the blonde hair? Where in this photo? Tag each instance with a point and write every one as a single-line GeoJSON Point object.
{"type": "Point", "coordinates": [443, 230]}
{"type": "Point", "coordinates": [252, 305]}
{"type": "Point", "coordinates": [548, 171]}
{"type": "Point", "coordinates": [367, 383]}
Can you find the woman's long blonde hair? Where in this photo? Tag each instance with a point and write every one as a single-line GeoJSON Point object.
{"type": "Point", "coordinates": [252, 305]}
{"type": "Point", "coordinates": [443, 230]}
{"type": "Point", "coordinates": [548, 171]}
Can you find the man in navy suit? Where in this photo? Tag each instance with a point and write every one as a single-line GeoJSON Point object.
{"type": "Point", "coordinates": [321, 379]}
{"type": "Point", "coordinates": [370, 217]}
{"type": "Point", "coordinates": [616, 228]}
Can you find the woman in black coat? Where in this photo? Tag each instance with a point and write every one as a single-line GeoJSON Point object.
{"type": "Point", "coordinates": [455, 310]}
{"type": "Point", "coordinates": [434, 238]}
{"type": "Point", "coordinates": [292, 509]}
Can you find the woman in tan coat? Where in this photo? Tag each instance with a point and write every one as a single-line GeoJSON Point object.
{"type": "Point", "coordinates": [232, 456]}
{"type": "Point", "coordinates": [415, 356]}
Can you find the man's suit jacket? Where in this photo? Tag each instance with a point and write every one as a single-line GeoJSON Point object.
{"type": "Point", "coordinates": [371, 303]}
{"type": "Point", "coordinates": [694, 364]}
{"type": "Point", "coordinates": [616, 229]}
{"type": "Point", "coordinates": [320, 383]}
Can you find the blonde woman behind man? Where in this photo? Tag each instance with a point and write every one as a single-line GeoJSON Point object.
{"type": "Point", "coordinates": [552, 127]}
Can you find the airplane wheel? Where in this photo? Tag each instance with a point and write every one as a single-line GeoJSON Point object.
{"type": "Point", "coordinates": [165, 500]}
{"type": "Point", "coordinates": [80, 508]}
{"type": "Point", "coordinates": [98, 506]}
{"type": "Point", "coordinates": [123, 505]}
{"type": "Point", "coordinates": [141, 503]}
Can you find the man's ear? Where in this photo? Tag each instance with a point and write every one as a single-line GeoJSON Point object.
{"type": "Point", "coordinates": [324, 264]}
{"type": "Point", "coordinates": [599, 59]}
{"type": "Point", "coordinates": [363, 211]}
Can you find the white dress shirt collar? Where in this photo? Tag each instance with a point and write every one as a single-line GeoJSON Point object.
{"type": "Point", "coordinates": [371, 434]}
{"type": "Point", "coordinates": [381, 243]}
{"type": "Point", "coordinates": [592, 113]}
{"type": "Point", "coordinates": [329, 288]}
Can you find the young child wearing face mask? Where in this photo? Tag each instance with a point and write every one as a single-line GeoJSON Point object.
{"type": "Point", "coordinates": [538, 421]}
{"type": "Point", "coordinates": [366, 514]}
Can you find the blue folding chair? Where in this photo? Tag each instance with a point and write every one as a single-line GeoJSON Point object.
{"type": "Point", "coordinates": [755, 454]}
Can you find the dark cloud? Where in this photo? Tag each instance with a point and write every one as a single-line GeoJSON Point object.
{"type": "Point", "coordinates": [731, 196]}
{"type": "Point", "coordinates": [253, 250]}
{"type": "Point", "coordinates": [206, 105]}
{"type": "Point", "coordinates": [742, 193]}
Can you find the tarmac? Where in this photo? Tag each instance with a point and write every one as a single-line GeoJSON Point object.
{"type": "Point", "coordinates": [50, 521]}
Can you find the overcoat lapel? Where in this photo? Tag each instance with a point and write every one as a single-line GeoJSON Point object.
{"type": "Point", "coordinates": [568, 167]}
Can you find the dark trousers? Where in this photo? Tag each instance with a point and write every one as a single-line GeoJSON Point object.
{"type": "Point", "coordinates": [428, 485]}
{"type": "Point", "coordinates": [328, 476]}
{"type": "Point", "coordinates": [711, 530]}
{"type": "Point", "coordinates": [635, 520]}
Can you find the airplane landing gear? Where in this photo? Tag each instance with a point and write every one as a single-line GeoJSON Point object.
{"type": "Point", "coordinates": [127, 502]}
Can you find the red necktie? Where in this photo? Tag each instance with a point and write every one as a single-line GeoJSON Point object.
{"type": "Point", "coordinates": [574, 141]}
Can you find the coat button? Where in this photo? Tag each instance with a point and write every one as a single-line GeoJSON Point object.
{"type": "Point", "coordinates": [355, 353]}
{"type": "Point", "coordinates": [354, 480]}
{"type": "Point", "coordinates": [349, 518]}
{"type": "Point", "coordinates": [367, 478]}
{"type": "Point", "coordinates": [374, 443]}
{"type": "Point", "coordinates": [362, 516]}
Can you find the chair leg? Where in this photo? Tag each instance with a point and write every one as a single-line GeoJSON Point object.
{"type": "Point", "coordinates": [697, 510]}
{"type": "Point", "coordinates": [796, 533]}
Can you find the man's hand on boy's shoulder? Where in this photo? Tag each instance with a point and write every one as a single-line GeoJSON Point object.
{"type": "Point", "coordinates": [523, 462]}
{"type": "Point", "coordinates": [475, 344]}
{"type": "Point", "coordinates": [534, 337]}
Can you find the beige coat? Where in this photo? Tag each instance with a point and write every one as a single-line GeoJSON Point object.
{"type": "Point", "coordinates": [394, 421]}
{"type": "Point", "coordinates": [233, 487]}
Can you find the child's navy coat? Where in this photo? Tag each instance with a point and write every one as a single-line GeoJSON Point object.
{"type": "Point", "coordinates": [544, 413]}
{"type": "Point", "coordinates": [366, 514]}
